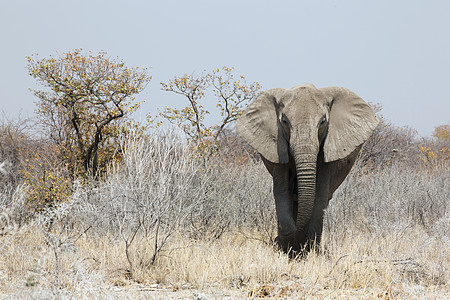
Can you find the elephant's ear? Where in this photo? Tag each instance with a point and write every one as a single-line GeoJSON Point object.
{"type": "Point", "coordinates": [351, 123]}
{"type": "Point", "coordinates": [258, 126]}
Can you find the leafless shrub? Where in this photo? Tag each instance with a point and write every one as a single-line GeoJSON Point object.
{"type": "Point", "coordinates": [147, 197]}
{"type": "Point", "coordinates": [159, 189]}
{"type": "Point", "coordinates": [390, 199]}
{"type": "Point", "coordinates": [16, 145]}
{"type": "Point", "coordinates": [59, 232]}
{"type": "Point", "coordinates": [237, 196]}
{"type": "Point", "coordinates": [13, 210]}
{"type": "Point", "coordinates": [31, 174]}
{"type": "Point", "coordinates": [233, 149]}
{"type": "Point", "coordinates": [389, 144]}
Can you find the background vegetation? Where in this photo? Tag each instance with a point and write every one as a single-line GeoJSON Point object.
{"type": "Point", "coordinates": [192, 210]}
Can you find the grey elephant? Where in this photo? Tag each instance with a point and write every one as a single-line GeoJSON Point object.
{"type": "Point", "coordinates": [308, 139]}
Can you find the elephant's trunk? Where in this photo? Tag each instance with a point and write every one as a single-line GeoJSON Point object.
{"type": "Point", "coordinates": [306, 165]}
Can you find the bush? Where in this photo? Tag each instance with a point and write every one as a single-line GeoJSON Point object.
{"type": "Point", "coordinates": [389, 145]}
{"type": "Point", "coordinates": [160, 188]}
{"type": "Point", "coordinates": [46, 178]}
{"type": "Point", "coordinates": [390, 199]}
{"type": "Point", "coordinates": [16, 146]}
{"type": "Point", "coordinates": [32, 177]}
{"type": "Point", "coordinates": [435, 152]}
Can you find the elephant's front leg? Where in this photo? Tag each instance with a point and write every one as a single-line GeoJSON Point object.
{"type": "Point", "coordinates": [320, 204]}
{"type": "Point", "coordinates": [284, 207]}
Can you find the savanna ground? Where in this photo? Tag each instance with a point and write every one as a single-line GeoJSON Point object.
{"type": "Point", "coordinates": [162, 224]}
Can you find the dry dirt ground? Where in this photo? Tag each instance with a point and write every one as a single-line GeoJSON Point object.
{"type": "Point", "coordinates": [288, 291]}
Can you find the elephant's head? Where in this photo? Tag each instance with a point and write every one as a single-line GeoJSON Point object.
{"type": "Point", "coordinates": [301, 122]}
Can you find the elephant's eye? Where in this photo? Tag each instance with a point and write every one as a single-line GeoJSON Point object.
{"type": "Point", "coordinates": [323, 120]}
{"type": "Point", "coordinates": [284, 120]}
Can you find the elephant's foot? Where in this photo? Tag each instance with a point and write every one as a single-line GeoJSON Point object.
{"type": "Point", "coordinates": [297, 245]}
{"type": "Point", "coordinates": [312, 242]}
{"type": "Point", "coordinates": [285, 243]}
{"type": "Point", "coordinates": [307, 246]}
{"type": "Point", "coordinates": [301, 251]}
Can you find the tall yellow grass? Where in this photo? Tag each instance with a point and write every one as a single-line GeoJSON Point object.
{"type": "Point", "coordinates": [410, 264]}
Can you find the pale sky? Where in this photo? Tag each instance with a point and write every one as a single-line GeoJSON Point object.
{"type": "Point", "coordinates": [396, 53]}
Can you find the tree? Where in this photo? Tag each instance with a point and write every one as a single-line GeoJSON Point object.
{"type": "Point", "coordinates": [232, 96]}
{"type": "Point", "coordinates": [87, 106]}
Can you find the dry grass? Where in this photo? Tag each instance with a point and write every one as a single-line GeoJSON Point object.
{"type": "Point", "coordinates": [409, 265]}
{"type": "Point", "coordinates": [165, 226]}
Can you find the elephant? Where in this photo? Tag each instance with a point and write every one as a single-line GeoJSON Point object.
{"type": "Point", "coordinates": [308, 139]}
